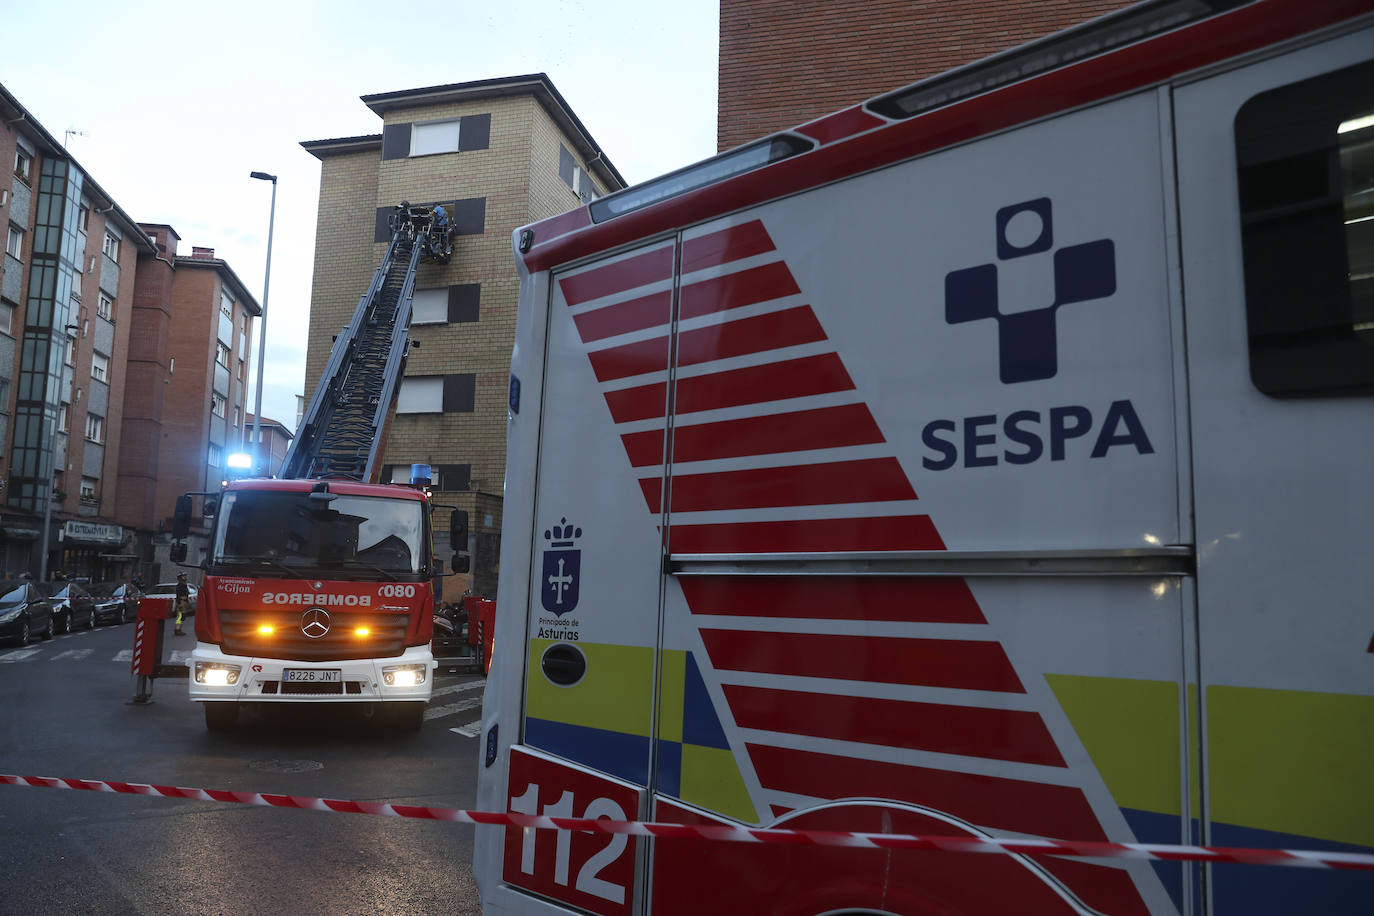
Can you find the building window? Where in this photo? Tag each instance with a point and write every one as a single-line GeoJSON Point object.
{"type": "Point", "coordinates": [63, 416]}
{"type": "Point", "coordinates": [217, 404]}
{"type": "Point", "coordinates": [1305, 166]}
{"type": "Point", "coordinates": [438, 394]}
{"type": "Point", "coordinates": [576, 177]}
{"type": "Point", "coordinates": [104, 307]}
{"type": "Point", "coordinates": [216, 456]}
{"type": "Point", "coordinates": [95, 428]}
{"type": "Point", "coordinates": [429, 306]}
{"type": "Point", "coordinates": [100, 366]}
{"type": "Point", "coordinates": [4, 395]}
{"type": "Point", "coordinates": [14, 242]}
{"type": "Point", "coordinates": [23, 166]}
{"type": "Point", "coordinates": [434, 137]}
{"type": "Point", "coordinates": [226, 305]}
{"type": "Point", "coordinates": [242, 371]}
{"type": "Point", "coordinates": [69, 352]}
{"type": "Point", "coordinates": [83, 218]}
{"type": "Point", "coordinates": [111, 247]}
{"type": "Point", "coordinates": [222, 355]}
{"type": "Point", "coordinates": [6, 317]}
{"type": "Point", "coordinates": [88, 485]}
{"type": "Point", "coordinates": [238, 417]}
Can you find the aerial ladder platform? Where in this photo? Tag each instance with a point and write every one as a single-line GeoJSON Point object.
{"type": "Point", "coordinates": [342, 431]}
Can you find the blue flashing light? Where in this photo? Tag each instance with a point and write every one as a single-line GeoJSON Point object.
{"type": "Point", "coordinates": [419, 475]}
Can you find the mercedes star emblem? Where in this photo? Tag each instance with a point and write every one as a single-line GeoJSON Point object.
{"type": "Point", "coordinates": [315, 622]}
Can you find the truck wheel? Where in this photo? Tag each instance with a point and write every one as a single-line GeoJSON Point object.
{"type": "Point", "coordinates": [221, 717]}
{"type": "Point", "coordinates": [407, 717]}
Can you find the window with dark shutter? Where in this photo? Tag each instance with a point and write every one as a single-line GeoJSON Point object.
{"type": "Point", "coordinates": [460, 393]}
{"type": "Point", "coordinates": [455, 477]}
{"type": "Point", "coordinates": [463, 302]}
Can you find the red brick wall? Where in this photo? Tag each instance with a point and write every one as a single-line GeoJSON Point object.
{"type": "Point", "coordinates": [144, 389]}
{"type": "Point", "coordinates": [785, 62]}
{"type": "Point", "coordinates": [186, 404]}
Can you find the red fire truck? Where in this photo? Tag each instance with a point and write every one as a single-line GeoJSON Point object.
{"type": "Point", "coordinates": [319, 586]}
{"type": "Point", "coordinates": [988, 459]}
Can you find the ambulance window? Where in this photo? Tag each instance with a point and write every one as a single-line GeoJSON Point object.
{"type": "Point", "coordinates": [1305, 155]}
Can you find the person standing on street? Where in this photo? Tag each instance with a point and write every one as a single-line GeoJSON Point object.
{"type": "Point", "coordinates": [183, 602]}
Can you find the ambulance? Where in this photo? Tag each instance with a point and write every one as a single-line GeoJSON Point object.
{"type": "Point", "coordinates": [990, 459]}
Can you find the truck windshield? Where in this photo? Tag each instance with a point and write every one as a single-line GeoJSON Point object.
{"type": "Point", "coordinates": [354, 533]}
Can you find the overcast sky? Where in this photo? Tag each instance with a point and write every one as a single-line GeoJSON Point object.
{"type": "Point", "coordinates": [178, 102]}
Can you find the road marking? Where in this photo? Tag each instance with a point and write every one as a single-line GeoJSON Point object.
{"type": "Point", "coordinates": [72, 654]}
{"type": "Point", "coordinates": [179, 657]}
{"type": "Point", "coordinates": [19, 655]}
{"type": "Point", "coordinates": [459, 688]}
{"type": "Point", "coordinates": [471, 730]}
{"type": "Point", "coordinates": [124, 655]}
{"type": "Point", "coordinates": [439, 712]}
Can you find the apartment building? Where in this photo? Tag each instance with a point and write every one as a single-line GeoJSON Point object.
{"type": "Point", "coordinates": [497, 153]}
{"type": "Point", "coordinates": [115, 388]}
{"type": "Point", "coordinates": [276, 439]}
{"type": "Point", "coordinates": [786, 62]}
{"type": "Point", "coordinates": [188, 382]}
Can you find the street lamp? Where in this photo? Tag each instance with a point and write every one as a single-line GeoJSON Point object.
{"type": "Point", "coordinates": [262, 336]}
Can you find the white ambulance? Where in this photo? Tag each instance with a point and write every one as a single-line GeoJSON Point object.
{"type": "Point", "coordinates": [992, 458]}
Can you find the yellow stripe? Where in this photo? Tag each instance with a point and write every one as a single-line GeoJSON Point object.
{"type": "Point", "coordinates": [1291, 761]}
{"type": "Point", "coordinates": [614, 694]}
{"type": "Point", "coordinates": [711, 779]}
{"type": "Point", "coordinates": [672, 678]}
{"type": "Point", "coordinates": [1130, 730]}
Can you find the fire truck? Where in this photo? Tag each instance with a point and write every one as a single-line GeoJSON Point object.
{"type": "Point", "coordinates": [319, 586]}
{"type": "Point", "coordinates": [987, 459]}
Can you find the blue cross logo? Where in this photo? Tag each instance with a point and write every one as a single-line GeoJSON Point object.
{"type": "Point", "coordinates": [1027, 340]}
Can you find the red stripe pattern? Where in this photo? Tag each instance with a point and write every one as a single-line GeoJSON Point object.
{"type": "Point", "coordinates": [794, 432]}
{"type": "Point", "coordinates": [726, 833]}
{"type": "Point", "coordinates": [955, 663]}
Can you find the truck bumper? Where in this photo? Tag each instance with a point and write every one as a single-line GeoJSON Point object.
{"type": "Point", "coordinates": [218, 677]}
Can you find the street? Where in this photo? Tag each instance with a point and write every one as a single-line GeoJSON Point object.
{"type": "Point", "coordinates": [66, 710]}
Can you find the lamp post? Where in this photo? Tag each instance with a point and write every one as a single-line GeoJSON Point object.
{"type": "Point", "coordinates": [262, 336]}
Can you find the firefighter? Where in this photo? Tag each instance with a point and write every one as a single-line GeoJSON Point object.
{"type": "Point", "coordinates": [183, 602]}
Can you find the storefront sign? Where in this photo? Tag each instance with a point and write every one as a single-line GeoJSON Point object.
{"type": "Point", "coordinates": [92, 533]}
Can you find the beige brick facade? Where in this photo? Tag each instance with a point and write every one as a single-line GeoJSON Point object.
{"type": "Point", "coordinates": [517, 175]}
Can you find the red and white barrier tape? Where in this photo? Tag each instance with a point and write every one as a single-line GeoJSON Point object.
{"type": "Point", "coordinates": [732, 834]}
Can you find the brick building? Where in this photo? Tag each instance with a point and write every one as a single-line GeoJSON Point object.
{"type": "Point", "coordinates": [276, 438]}
{"type": "Point", "coordinates": [188, 380]}
{"type": "Point", "coordinates": [498, 154]}
{"type": "Point", "coordinates": [99, 428]}
{"type": "Point", "coordinates": [786, 62]}
{"type": "Point", "coordinates": [66, 293]}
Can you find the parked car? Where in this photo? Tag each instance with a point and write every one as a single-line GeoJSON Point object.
{"type": "Point", "coordinates": [115, 602]}
{"type": "Point", "coordinates": [24, 612]}
{"type": "Point", "coordinates": [168, 590]}
{"type": "Point", "coordinates": [72, 605]}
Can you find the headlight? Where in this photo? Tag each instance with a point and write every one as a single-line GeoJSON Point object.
{"type": "Point", "coordinates": [7, 616]}
{"type": "Point", "coordinates": [404, 675]}
{"type": "Point", "coordinates": [216, 675]}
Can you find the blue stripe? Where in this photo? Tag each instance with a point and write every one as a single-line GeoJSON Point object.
{"type": "Point", "coordinates": [1256, 890]}
{"type": "Point", "coordinates": [621, 755]}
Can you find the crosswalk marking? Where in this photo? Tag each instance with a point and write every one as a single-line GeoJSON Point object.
{"type": "Point", "coordinates": [438, 712]}
{"type": "Point", "coordinates": [71, 655]}
{"type": "Point", "coordinates": [458, 688]}
{"type": "Point", "coordinates": [19, 655]}
{"type": "Point", "coordinates": [471, 730]}
{"type": "Point", "coordinates": [124, 655]}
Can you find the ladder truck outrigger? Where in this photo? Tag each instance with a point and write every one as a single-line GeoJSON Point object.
{"type": "Point", "coordinates": [319, 584]}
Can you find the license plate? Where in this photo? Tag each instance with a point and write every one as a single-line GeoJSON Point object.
{"type": "Point", "coordinates": [311, 675]}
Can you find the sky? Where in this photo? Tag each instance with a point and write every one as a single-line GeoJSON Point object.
{"type": "Point", "coordinates": [176, 103]}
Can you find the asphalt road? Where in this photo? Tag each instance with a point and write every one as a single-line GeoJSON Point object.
{"type": "Point", "coordinates": [65, 710]}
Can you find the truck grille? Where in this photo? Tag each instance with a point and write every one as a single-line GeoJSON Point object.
{"type": "Point", "coordinates": [240, 630]}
